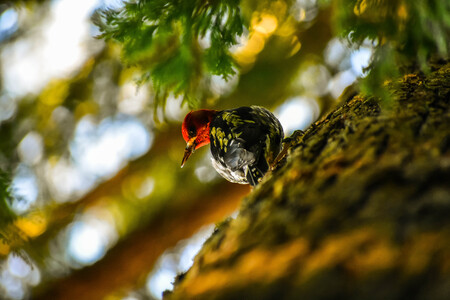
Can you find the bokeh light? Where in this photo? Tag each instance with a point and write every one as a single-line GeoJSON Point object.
{"type": "Point", "coordinates": [297, 113]}
{"type": "Point", "coordinates": [360, 59]}
{"type": "Point", "coordinates": [25, 188]}
{"type": "Point", "coordinates": [31, 148]}
{"type": "Point", "coordinates": [100, 150]}
{"type": "Point", "coordinates": [314, 79]}
{"type": "Point", "coordinates": [91, 236]}
{"type": "Point", "coordinates": [8, 22]}
{"type": "Point", "coordinates": [336, 54]}
{"type": "Point", "coordinates": [175, 261]}
{"type": "Point", "coordinates": [204, 170]}
{"type": "Point", "coordinates": [54, 49]}
{"type": "Point", "coordinates": [132, 100]}
{"type": "Point", "coordinates": [18, 267]}
{"type": "Point", "coordinates": [86, 245]}
{"type": "Point", "coordinates": [8, 107]}
{"type": "Point", "coordinates": [17, 273]}
{"type": "Point", "coordinates": [65, 181]}
{"type": "Point", "coordinates": [340, 81]}
{"type": "Point", "coordinates": [80, 120]}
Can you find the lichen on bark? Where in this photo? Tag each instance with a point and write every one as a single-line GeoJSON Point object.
{"type": "Point", "coordinates": [360, 209]}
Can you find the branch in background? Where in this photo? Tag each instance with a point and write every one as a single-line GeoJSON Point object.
{"type": "Point", "coordinates": [129, 261]}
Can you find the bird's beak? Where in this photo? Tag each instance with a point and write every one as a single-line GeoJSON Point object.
{"type": "Point", "coordinates": [190, 147]}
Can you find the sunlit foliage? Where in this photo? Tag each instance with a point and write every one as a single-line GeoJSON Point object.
{"type": "Point", "coordinates": [406, 33]}
{"type": "Point", "coordinates": [165, 39]}
{"type": "Point", "coordinates": [162, 37]}
{"type": "Point", "coordinates": [89, 173]}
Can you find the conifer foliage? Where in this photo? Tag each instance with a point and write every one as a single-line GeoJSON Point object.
{"type": "Point", "coordinates": [175, 43]}
{"type": "Point", "coordinates": [406, 33]}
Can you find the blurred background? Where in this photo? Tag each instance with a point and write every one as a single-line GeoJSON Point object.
{"type": "Point", "coordinates": [99, 205]}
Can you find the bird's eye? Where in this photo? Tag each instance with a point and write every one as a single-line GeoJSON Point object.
{"type": "Point", "coordinates": [192, 131]}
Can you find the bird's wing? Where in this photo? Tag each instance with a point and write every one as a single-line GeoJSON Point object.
{"type": "Point", "coordinates": [237, 156]}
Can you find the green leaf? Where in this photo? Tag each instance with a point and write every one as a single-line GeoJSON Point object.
{"type": "Point", "coordinates": [162, 38]}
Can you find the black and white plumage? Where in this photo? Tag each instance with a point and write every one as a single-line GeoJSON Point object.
{"type": "Point", "coordinates": [244, 141]}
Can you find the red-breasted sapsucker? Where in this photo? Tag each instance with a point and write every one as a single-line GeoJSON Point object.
{"type": "Point", "coordinates": [244, 141]}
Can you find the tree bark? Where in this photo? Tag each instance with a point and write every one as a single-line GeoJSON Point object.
{"type": "Point", "coordinates": [361, 209]}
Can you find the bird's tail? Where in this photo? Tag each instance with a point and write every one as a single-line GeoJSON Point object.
{"type": "Point", "coordinates": [257, 171]}
{"type": "Point", "coordinates": [254, 175]}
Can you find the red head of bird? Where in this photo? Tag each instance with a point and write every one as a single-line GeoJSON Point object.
{"type": "Point", "coordinates": [195, 130]}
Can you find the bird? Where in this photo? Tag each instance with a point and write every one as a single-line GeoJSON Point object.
{"type": "Point", "coordinates": [244, 141]}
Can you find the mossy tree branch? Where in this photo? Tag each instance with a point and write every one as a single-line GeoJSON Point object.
{"type": "Point", "coordinates": [359, 211]}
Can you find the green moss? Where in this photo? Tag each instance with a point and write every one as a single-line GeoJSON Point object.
{"type": "Point", "coordinates": [363, 192]}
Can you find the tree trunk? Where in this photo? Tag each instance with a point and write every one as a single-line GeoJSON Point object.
{"type": "Point", "coordinates": [360, 210]}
